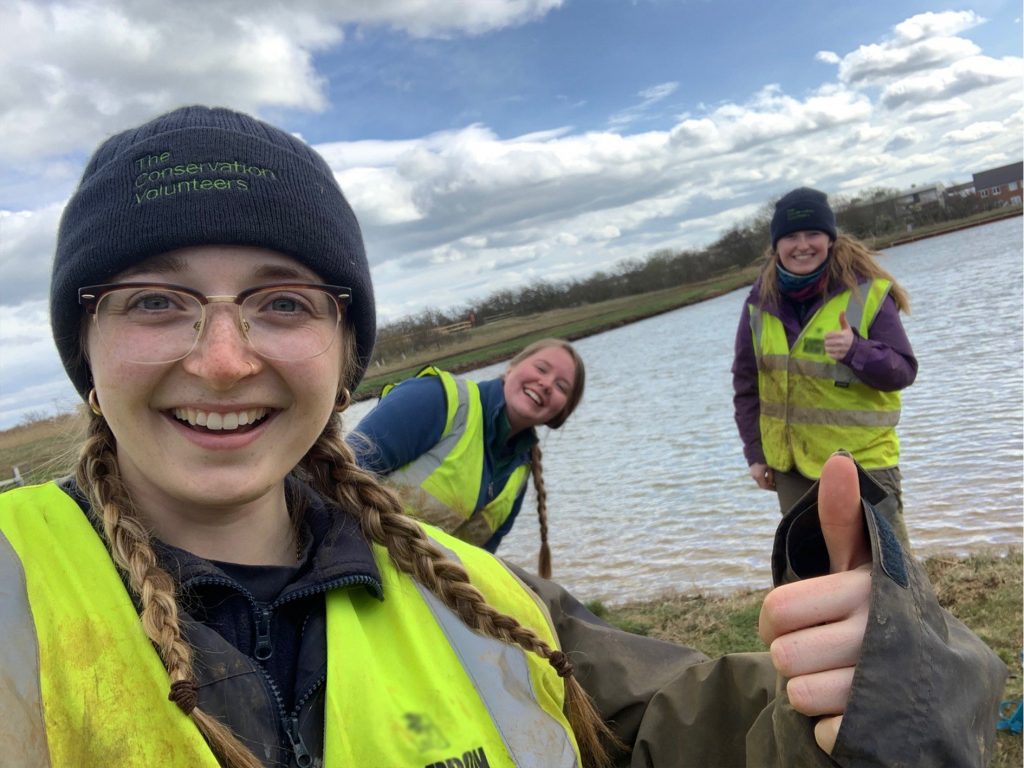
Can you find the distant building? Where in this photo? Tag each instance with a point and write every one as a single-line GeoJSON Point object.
{"type": "Point", "coordinates": [1001, 185]}
{"type": "Point", "coordinates": [916, 198]}
{"type": "Point", "coordinates": [959, 190]}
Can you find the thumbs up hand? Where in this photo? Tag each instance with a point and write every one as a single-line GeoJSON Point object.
{"type": "Point", "coordinates": [838, 343]}
{"type": "Point", "coordinates": [815, 628]}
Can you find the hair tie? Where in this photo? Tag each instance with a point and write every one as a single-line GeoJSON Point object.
{"type": "Point", "coordinates": [184, 693]}
{"type": "Point", "coordinates": [560, 661]}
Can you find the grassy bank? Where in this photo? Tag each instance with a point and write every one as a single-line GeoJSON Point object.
{"type": "Point", "coordinates": [500, 340]}
{"type": "Point", "coordinates": [944, 227]}
{"type": "Point", "coordinates": [982, 590]}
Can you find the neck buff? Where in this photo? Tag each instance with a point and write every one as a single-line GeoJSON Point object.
{"type": "Point", "coordinates": [802, 287]}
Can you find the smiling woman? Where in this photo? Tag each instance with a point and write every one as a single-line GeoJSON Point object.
{"type": "Point", "coordinates": [460, 451]}
{"type": "Point", "coordinates": [220, 584]}
{"type": "Point", "coordinates": [821, 357]}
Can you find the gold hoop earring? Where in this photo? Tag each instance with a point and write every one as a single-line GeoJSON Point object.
{"type": "Point", "coordinates": [343, 401]}
{"type": "Point", "coordinates": [94, 403]}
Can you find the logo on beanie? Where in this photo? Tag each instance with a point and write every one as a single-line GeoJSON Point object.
{"type": "Point", "coordinates": [160, 175]}
{"type": "Point", "coordinates": [798, 214]}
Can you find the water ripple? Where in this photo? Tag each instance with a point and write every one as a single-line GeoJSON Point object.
{"type": "Point", "coordinates": [648, 490]}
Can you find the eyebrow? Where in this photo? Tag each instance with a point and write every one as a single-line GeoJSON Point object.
{"type": "Point", "coordinates": [169, 263]}
{"type": "Point", "coordinates": [165, 262]}
{"type": "Point", "coordinates": [541, 358]}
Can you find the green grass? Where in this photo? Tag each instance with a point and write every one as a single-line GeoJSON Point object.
{"type": "Point", "coordinates": [501, 340]}
{"type": "Point", "coordinates": [942, 227]}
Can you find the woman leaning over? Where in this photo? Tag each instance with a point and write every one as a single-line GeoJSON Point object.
{"type": "Point", "coordinates": [460, 451]}
{"type": "Point", "coordinates": [821, 357]}
{"type": "Point", "coordinates": [220, 584]}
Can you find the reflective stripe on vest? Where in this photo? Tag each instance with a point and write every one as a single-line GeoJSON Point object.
{"type": "Point", "coordinates": [408, 683]}
{"type": "Point", "coordinates": [450, 677]}
{"type": "Point", "coordinates": [810, 404]}
{"type": "Point", "coordinates": [443, 485]}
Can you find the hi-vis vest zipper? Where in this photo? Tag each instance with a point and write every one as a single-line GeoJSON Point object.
{"type": "Point", "coordinates": [408, 684]}
{"type": "Point", "coordinates": [443, 485]}
{"type": "Point", "coordinates": [810, 404]}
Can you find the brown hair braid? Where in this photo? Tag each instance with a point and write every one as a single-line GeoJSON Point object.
{"type": "Point", "coordinates": [98, 476]}
{"type": "Point", "coordinates": [332, 469]}
{"type": "Point", "coordinates": [537, 473]}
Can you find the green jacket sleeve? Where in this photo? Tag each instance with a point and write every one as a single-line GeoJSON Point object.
{"type": "Point", "coordinates": [925, 692]}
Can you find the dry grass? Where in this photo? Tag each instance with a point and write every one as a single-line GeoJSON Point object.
{"type": "Point", "coordinates": [501, 339]}
{"type": "Point", "coordinates": [983, 590]}
{"type": "Point", "coordinates": [43, 449]}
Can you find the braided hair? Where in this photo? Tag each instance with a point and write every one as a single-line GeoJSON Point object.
{"type": "Point", "coordinates": [331, 469]}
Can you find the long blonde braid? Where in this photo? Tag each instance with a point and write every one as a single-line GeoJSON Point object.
{"type": "Point", "coordinates": [332, 469]}
{"type": "Point", "coordinates": [98, 477]}
{"type": "Point", "coordinates": [537, 472]}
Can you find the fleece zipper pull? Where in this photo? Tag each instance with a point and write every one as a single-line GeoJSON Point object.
{"type": "Point", "coordinates": [264, 648]}
{"type": "Point", "coordinates": [302, 757]}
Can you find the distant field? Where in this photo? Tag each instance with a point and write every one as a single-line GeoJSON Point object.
{"type": "Point", "coordinates": [501, 340]}
{"type": "Point", "coordinates": [42, 449]}
{"type": "Point", "coordinates": [45, 449]}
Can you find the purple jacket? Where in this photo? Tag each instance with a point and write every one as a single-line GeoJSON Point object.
{"type": "Point", "coordinates": [885, 361]}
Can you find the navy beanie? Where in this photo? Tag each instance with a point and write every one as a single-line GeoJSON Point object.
{"type": "Point", "coordinates": [200, 176]}
{"type": "Point", "coordinates": [800, 210]}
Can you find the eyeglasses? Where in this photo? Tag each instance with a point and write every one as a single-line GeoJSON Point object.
{"type": "Point", "coordinates": [160, 323]}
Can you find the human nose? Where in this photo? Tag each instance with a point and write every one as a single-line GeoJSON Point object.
{"type": "Point", "coordinates": [222, 353]}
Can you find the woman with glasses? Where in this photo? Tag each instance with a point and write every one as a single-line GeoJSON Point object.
{"type": "Point", "coordinates": [219, 583]}
{"type": "Point", "coordinates": [460, 452]}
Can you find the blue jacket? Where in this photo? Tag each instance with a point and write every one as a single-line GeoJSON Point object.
{"type": "Point", "coordinates": [409, 422]}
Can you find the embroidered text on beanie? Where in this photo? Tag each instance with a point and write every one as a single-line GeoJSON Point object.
{"type": "Point", "coordinates": [205, 176]}
{"type": "Point", "coordinates": [800, 210]}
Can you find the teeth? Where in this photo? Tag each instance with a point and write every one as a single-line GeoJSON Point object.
{"type": "Point", "coordinates": [219, 421]}
{"type": "Point", "coordinates": [532, 395]}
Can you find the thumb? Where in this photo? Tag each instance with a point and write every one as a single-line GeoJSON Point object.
{"type": "Point", "coordinates": [841, 515]}
{"type": "Point", "coordinates": [843, 324]}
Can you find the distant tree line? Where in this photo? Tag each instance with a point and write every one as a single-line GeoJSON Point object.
{"type": "Point", "coordinates": [866, 216]}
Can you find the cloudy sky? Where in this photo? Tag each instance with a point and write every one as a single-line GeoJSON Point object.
{"type": "Point", "coordinates": [487, 144]}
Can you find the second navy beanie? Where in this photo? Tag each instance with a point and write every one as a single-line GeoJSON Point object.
{"type": "Point", "coordinates": [800, 210]}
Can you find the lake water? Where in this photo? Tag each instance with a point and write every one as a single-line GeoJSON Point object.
{"type": "Point", "coordinates": [648, 491]}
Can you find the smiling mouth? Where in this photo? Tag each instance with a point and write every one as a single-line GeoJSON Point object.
{"type": "Point", "coordinates": [533, 396]}
{"type": "Point", "coordinates": [221, 422]}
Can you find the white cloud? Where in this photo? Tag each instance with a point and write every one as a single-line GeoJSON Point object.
{"type": "Point", "coordinates": [901, 139]}
{"type": "Point", "coordinates": [974, 132]}
{"type": "Point", "coordinates": [428, 19]}
{"type": "Point", "coordinates": [936, 24]}
{"type": "Point", "coordinates": [27, 241]}
{"type": "Point", "coordinates": [456, 214]}
{"type": "Point", "coordinates": [933, 110]}
{"type": "Point", "coordinates": [650, 96]}
{"type": "Point", "coordinates": [959, 78]}
{"type": "Point", "coordinates": [99, 66]}
{"type": "Point", "coordinates": [920, 42]}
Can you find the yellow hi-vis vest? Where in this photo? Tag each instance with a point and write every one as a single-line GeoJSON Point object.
{"type": "Point", "coordinates": [443, 485]}
{"type": "Point", "coordinates": [811, 405]}
{"type": "Point", "coordinates": [408, 684]}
